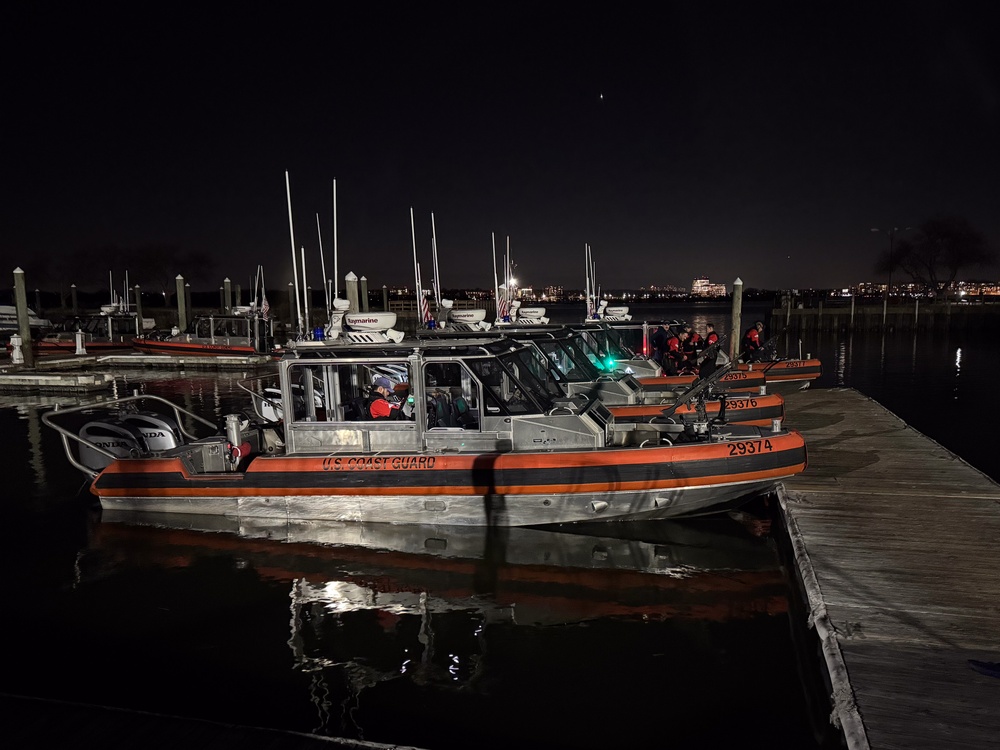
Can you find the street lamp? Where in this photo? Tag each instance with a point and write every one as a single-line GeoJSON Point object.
{"type": "Point", "coordinates": [888, 287]}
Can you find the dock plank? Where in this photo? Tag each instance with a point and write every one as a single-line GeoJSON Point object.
{"type": "Point", "coordinates": [898, 543]}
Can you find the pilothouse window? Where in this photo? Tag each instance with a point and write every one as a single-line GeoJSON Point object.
{"type": "Point", "coordinates": [452, 396]}
{"type": "Point", "coordinates": [514, 382]}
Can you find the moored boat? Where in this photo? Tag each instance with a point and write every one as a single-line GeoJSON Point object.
{"type": "Point", "coordinates": [110, 330]}
{"type": "Point", "coordinates": [577, 367]}
{"type": "Point", "coordinates": [489, 443]}
{"type": "Point", "coordinates": [782, 374]}
{"type": "Point", "coordinates": [241, 333]}
{"type": "Point", "coordinates": [627, 344]}
{"type": "Point", "coordinates": [734, 381]}
{"type": "Point", "coordinates": [739, 409]}
{"type": "Point", "coordinates": [9, 324]}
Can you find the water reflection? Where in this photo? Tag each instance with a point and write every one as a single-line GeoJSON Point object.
{"type": "Point", "coordinates": [462, 622]}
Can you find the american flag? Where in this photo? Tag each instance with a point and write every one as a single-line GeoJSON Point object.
{"type": "Point", "coordinates": [264, 307]}
{"type": "Point", "coordinates": [502, 309]}
{"type": "Point", "coordinates": [425, 310]}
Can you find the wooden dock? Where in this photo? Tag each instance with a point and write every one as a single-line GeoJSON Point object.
{"type": "Point", "coordinates": [897, 543]}
{"type": "Point", "coordinates": [89, 373]}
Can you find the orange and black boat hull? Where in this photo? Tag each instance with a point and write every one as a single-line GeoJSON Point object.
{"type": "Point", "coordinates": [787, 370]}
{"type": "Point", "coordinates": [734, 381]}
{"type": "Point", "coordinates": [756, 410]}
{"type": "Point", "coordinates": [191, 349]}
{"type": "Point", "coordinates": [512, 489]}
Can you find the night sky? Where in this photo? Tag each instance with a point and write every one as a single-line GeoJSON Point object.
{"type": "Point", "coordinates": [760, 141]}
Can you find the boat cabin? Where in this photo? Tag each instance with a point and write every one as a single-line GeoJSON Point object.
{"type": "Point", "coordinates": [473, 396]}
{"type": "Point", "coordinates": [231, 330]}
{"type": "Point", "coordinates": [117, 327]}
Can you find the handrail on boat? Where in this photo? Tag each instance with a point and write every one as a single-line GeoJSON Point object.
{"type": "Point", "coordinates": [257, 398]}
{"type": "Point", "coordinates": [66, 435]}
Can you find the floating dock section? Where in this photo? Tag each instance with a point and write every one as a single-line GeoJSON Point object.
{"type": "Point", "coordinates": [897, 544]}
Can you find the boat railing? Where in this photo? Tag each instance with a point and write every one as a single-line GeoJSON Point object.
{"type": "Point", "coordinates": [59, 412]}
{"type": "Point", "coordinates": [267, 402]}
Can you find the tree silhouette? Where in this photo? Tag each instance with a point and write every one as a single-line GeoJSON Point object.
{"type": "Point", "coordinates": [933, 258]}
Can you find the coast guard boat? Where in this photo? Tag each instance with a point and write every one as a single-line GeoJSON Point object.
{"type": "Point", "coordinates": [580, 370]}
{"type": "Point", "coordinates": [482, 439]}
{"type": "Point", "coordinates": [8, 320]}
{"type": "Point", "coordinates": [244, 332]}
{"type": "Point", "coordinates": [111, 329]}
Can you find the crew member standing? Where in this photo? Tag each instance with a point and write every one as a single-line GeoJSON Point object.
{"type": "Point", "coordinates": [711, 336]}
{"type": "Point", "coordinates": [658, 343]}
{"type": "Point", "coordinates": [753, 347]}
{"type": "Point", "coordinates": [675, 360]}
{"type": "Point", "coordinates": [694, 343]}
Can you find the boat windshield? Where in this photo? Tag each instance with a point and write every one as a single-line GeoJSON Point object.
{"type": "Point", "coordinates": [594, 346]}
{"type": "Point", "coordinates": [231, 327]}
{"type": "Point", "coordinates": [518, 381]}
{"type": "Point", "coordinates": [617, 346]}
{"type": "Point", "coordinates": [572, 357]}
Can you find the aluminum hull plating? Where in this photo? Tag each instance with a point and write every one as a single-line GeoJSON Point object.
{"type": "Point", "coordinates": [505, 489]}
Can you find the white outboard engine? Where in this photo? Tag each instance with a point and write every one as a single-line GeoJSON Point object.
{"type": "Point", "coordinates": [160, 432]}
{"type": "Point", "coordinates": [120, 438]}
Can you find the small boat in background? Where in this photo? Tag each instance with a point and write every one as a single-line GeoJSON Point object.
{"type": "Point", "coordinates": [244, 332]}
{"type": "Point", "coordinates": [111, 329]}
{"type": "Point", "coordinates": [8, 320]}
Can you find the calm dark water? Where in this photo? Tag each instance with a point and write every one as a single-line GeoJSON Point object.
{"type": "Point", "coordinates": [633, 635]}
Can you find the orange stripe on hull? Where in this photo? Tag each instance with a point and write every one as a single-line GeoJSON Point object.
{"type": "Point", "coordinates": [465, 490]}
{"type": "Point", "coordinates": [364, 472]}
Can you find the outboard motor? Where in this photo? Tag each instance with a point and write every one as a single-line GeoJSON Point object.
{"type": "Point", "coordinates": [122, 439]}
{"type": "Point", "coordinates": [160, 432]}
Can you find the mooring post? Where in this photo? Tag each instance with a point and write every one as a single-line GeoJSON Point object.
{"type": "Point", "coordinates": [227, 296]}
{"type": "Point", "coordinates": [72, 296]}
{"type": "Point", "coordinates": [736, 325]}
{"type": "Point", "coordinates": [182, 312]}
{"type": "Point", "coordinates": [139, 330]}
{"type": "Point", "coordinates": [364, 294]}
{"type": "Point", "coordinates": [23, 322]}
{"type": "Point", "coordinates": [385, 298]}
{"type": "Point", "coordinates": [351, 284]}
